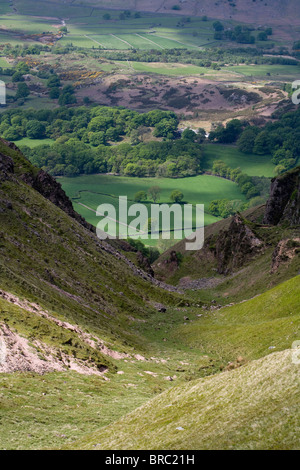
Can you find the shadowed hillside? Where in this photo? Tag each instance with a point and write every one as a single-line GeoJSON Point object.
{"type": "Point", "coordinates": [273, 12]}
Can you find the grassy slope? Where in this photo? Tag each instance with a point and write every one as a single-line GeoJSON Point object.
{"type": "Point", "coordinates": [41, 240]}
{"type": "Point", "coordinates": [249, 328]}
{"type": "Point", "coordinates": [87, 28]}
{"type": "Point", "coordinates": [252, 165]}
{"type": "Point", "coordinates": [33, 142]}
{"type": "Point", "coordinates": [254, 407]}
{"type": "Point", "coordinates": [58, 255]}
{"type": "Point", "coordinates": [75, 280]}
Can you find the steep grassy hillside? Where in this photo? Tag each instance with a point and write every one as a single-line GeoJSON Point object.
{"type": "Point", "coordinates": [66, 303]}
{"type": "Point", "coordinates": [254, 407]}
{"type": "Point", "coordinates": [86, 337]}
{"type": "Point", "coordinates": [68, 270]}
{"type": "Point", "coordinates": [249, 329]}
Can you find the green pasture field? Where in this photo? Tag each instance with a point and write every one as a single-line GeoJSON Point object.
{"type": "Point", "coordinates": [253, 165]}
{"type": "Point", "coordinates": [280, 71]}
{"type": "Point", "coordinates": [159, 31]}
{"type": "Point", "coordinates": [28, 25]}
{"type": "Point", "coordinates": [110, 41]}
{"type": "Point", "coordinates": [8, 37]}
{"type": "Point", "coordinates": [93, 190]}
{"type": "Point", "coordinates": [78, 41]}
{"type": "Point", "coordinates": [33, 142]}
{"type": "Point", "coordinates": [171, 69]}
{"type": "Point", "coordinates": [32, 101]}
{"type": "Point", "coordinates": [4, 63]}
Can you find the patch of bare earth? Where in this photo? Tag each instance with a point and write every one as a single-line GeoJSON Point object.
{"type": "Point", "coordinates": [285, 252]}
{"type": "Point", "coordinates": [19, 356]}
{"type": "Point", "coordinates": [90, 340]}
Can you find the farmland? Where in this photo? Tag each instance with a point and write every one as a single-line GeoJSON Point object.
{"type": "Point", "coordinates": [253, 165]}
{"type": "Point", "coordinates": [87, 27]}
{"type": "Point", "coordinates": [141, 61]}
{"type": "Point", "coordinates": [91, 191]}
{"type": "Point", "coordinates": [92, 27]}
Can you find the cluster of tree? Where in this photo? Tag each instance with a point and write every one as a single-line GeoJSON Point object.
{"type": "Point", "coordinates": [127, 14]}
{"type": "Point", "coordinates": [23, 68]}
{"type": "Point", "coordinates": [72, 157]}
{"type": "Point", "coordinates": [204, 58]}
{"type": "Point", "coordinates": [246, 183]}
{"type": "Point", "coordinates": [225, 208]}
{"type": "Point", "coordinates": [150, 253]}
{"type": "Point", "coordinates": [229, 133]}
{"type": "Point", "coordinates": [65, 95]}
{"type": "Point", "coordinates": [256, 190]}
{"type": "Point", "coordinates": [98, 125]}
{"type": "Point", "coordinates": [17, 76]}
{"type": "Point", "coordinates": [154, 194]}
{"type": "Point", "coordinates": [19, 50]}
{"type": "Point", "coordinates": [280, 139]}
{"type": "Point", "coordinates": [240, 34]}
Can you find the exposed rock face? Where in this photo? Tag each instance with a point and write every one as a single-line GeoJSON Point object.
{"type": "Point", "coordinates": [235, 246]}
{"type": "Point", "coordinates": [45, 184]}
{"type": "Point", "coordinates": [284, 202]}
{"type": "Point", "coordinates": [6, 166]}
{"type": "Point", "coordinates": [284, 252]}
{"type": "Point", "coordinates": [48, 187]}
{"type": "Point", "coordinates": [144, 263]}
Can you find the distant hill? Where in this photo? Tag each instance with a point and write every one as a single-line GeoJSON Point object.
{"type": "Point", "coordinates": [249, 11]}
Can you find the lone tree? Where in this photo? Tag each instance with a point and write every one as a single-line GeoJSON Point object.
{"type": "Point", "coordinates": [22, 91]}
{"type": "Point", "coordinates": [217, 25]}
{"type": "Point", "coordinates": [140, 196]}
{"type": "Point", "coordinates": [176, 196]}
{"type": "Point", "coordinates": [154, 193]}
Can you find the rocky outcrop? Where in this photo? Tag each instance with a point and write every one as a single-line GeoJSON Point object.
{"type": "Point", "coordinates": [284, 202]}
{"type": "Point", "coordinates": [285, 252]}
{"type": "Point", "coordinates": [48, 187]}
{"type": "Point", "coordinates": [39, 180]}
{"type": "Point", "coordinates": [235, 246]}
{"type": "Point", "coordinates": [6, 166]}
